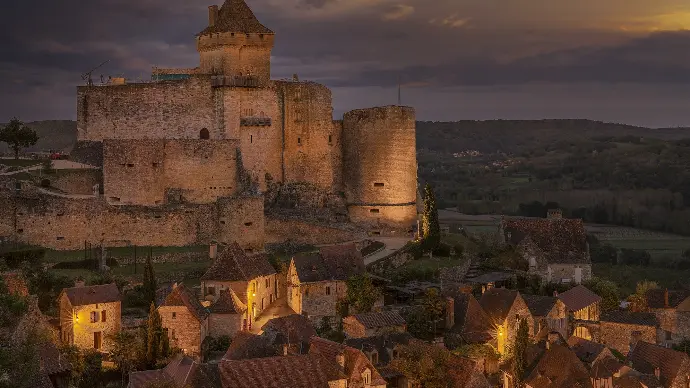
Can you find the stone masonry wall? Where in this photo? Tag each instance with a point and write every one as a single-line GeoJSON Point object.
{"type": "Point", "coordinates": [675, 322]}
{"type": "Point", "coordinates": [156, 110]}
{"type": "Point", "coordinates": [317, 302]}
{"type": "Point", "coordinates": [224, 324]}
{"type": "Point", "coordinates": [619, 336]}
{"type": "Point", "coordinates": [184, 330]}
{"type": "Point", "coordinates": [80, 331]}
{"type": "Point", "coordinates": [279, 230]}
{"type": "Point", "coordinates": [567, 271]}
{"type": "Point", "coordinates": [76, 181]}
{"type": "Point", "coordinates": [143, 171]}
{"type": "Point", "coordinates": [236, 53]}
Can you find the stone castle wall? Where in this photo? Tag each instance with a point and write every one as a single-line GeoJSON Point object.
{"type": "Point", "coordinates": [145, 171]}
{"type": "Point", "coordinates": [160, 110]}
{"type": "Point", "coordinates": [380, 165]}
{"type": "Point", "coordinates": [236, 54]}
{"type": "Point", "coordinates": [75, 181]}
{"type": "Point", "coordinates": [61, 223]}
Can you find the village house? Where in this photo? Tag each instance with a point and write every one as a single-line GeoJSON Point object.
{"type": "Point", "coordinates": [290, 329]}
{"type": "Point", "coordinates": [548, 313]}
{"type": "Point", "coordinates": [252, 279]}
{"type": "Point", "coordinates": [317, 281]}
{"type": "Point", "coordinates": [226, 315]}
{"type": "Point", "coordinates": [672, 309]}
{"type": "Point", "coordinates": [671, 367]}
{"type": "Point", "coordinates": [555, 248]}
{"type": "Point", "coordinates": [588, 351]}
{"type": "Point", "coordinates": [184, 319]}
{"type": "Point", "coordinates": [506, 309]}
{"type": "Point", "coordinates": [374, 323]}
{"type": "Point", "coordinates": [381, 350]}
{"type": "Point", "coordinates": [182, 371]}
{"type": "Point", "coordinates": [89, 315]}
{"type": "Point", "coordinates": [584, 305]}
{"type": "Point", "coordinates": [621, 330]}
{"type": "Point", "coordinates": [466, 321]}
{"type": "Point", "coordinates": [359, 371]}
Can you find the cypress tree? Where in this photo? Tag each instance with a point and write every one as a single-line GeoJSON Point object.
{"type": "Point", "coordinates": [150, 285]}
{"type": "Point", "coordinates": [431, 230]}
{"type": "Point", "coordinates": [520, 350]}
{"type": "Point", "coordinates": [154, 331]}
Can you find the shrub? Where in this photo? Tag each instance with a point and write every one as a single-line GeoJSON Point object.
{"type": "Point", "coordinates": [442, 250]}
{"type": "Point", "coordinates": [14, 259]}
{"type": "Point", "coordinates": [373, 247]}
{"type": "Point", "coordinates": [91, 264]}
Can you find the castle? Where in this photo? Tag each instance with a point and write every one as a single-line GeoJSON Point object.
{"type": "Point", "coordinates": [212, 139]}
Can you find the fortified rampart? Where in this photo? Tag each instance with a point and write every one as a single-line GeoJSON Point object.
{"type": "Point", "coordinates": [62, 223]}
{"type": "Point", "coordinates": [380, 165]}
{"type": "Point", "coordinates": [158, 171]}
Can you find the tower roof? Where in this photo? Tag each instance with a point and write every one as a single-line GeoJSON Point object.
{"type": "Point", "coordinates": [236, 16]}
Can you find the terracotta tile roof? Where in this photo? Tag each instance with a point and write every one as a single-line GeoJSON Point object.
{"type": "Point", "coordinates": [80, 296]}
{"type": "Point", "coordinates": [497, 302]}
{"type": "Point", "coordinates": [227, 303]}
{"type": "Point", "coordinates": [578, 298]}
{"type": "Point", "coordinates": [294, 371]}
{"type": "Point", "coordinates": [15, 282]}
{"type": "Point", "coordinates": [183, 296]}
{"type": "Point", "coordinates": [636, 381]}
{"type": "Point", "coordinates": [355, 361]}
{"type": "Point", "coordinates": [236, 16]}
{"type": "Point", "coordinates": [656, 298]}
{"type": "Point", "coordinates": [294, 328]}
{"type": "Point", "coordinates": [233, 264]}
{"type": "Point", "coordinates": [246, 346]}
{"type": "Point", "coordinates": [587, 351]}
{"type": "Point", "coordinates": [558, 367]}
{"type": "Point", "coordinates": [464, 374]}
{"type": "Point", "coordinates": [382, 343]}
{"type": "Point", "coordinates": [563, 241]}
{"type": "Point", "coordinates": [471, 321]}
{"type": "Point", "coordinates": [645, 357]}
{"type": "Point", "coordinates": [182, 371]}
{"type": "Point", "coordinates": [376, 320]}
{"type": "Point", "coordinates": [630, 318]}
{"type": "Point", "coordinates": [606, 367]}
{"type": "Point", "coordinates": [539, 306]}
{"type": "Point", "coordinates": [338, 262]}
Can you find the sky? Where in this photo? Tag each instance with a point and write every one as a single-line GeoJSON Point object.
{"type": "Point", "coordinates": [624, 61]}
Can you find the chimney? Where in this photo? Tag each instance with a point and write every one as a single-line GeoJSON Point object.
{"type": "Point", "coordinates": [174, 285]}
{"type": "Point", "coordinates": [213, 251]}
{"type": "Point", "coordinates": [450, 313]}
{"type": "Point", "coordinates": [212, 15]}
{"type": "Point", "coordinates": [666, 298]}
{"type": "Point", "coordinates": [340, 359]}
{"type": "Point", "coordinates": [79, 283]}
{"type": "Point", "coordinates": [635, 337]}
{"type": "Point", "coordinates": [554, 214]}
{"type": "Point", "coordinates": [555, 294]}
{"type": "Point", "coordinates": [657, 372]}
{"type": "Point", "coordinates": [552, 338]}
{"type": "Point", "coordinates": [285, 349]}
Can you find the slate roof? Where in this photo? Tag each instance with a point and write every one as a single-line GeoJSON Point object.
{"type": "Point", "coordinates": [630, 318]}
{"type": "Point", "coordinates": [183, 296]}
{"type": "Point", "coordinates": [233, 264]}
{"type": "Point", "coordinates": [292, 328]}
{"type": "Point", "coordinates": [539, 306]}
{"type": "Point", "coordinates": [645, 357]}
{"type": "Point", "coordinates": [382, 343]}
{"type": "Point", "coordinates": [558, 367]}
{"type": "Point", "coordinates": [236, 16]}
{"type": "Point", "coordinates": [52, 362]}
{"type": "Point", "coordinates": [80, 296]}
{"type": "Point", "coordinates": [355, 361]}
{"type": "Point", "coordinates": [497, 302]}
{"type": "Point", "coordinates": [471, 321]}
{"type": "Point", "coordinates": [338, 262]}
{"type": "Point", "coordinates": [579, 297]}
{"type": "Point", "coordinates": [563, 241]}
{"type": "Point", "coordinates": [294, 371]}
{"type": "Point", "coordinates": [587, 351]}
{"type": "Point", "coordinates": [656, 298]}
{"type": "Point", "coordinates": [226, 304]}
{"type": "Point", "coordinates": [376, 320]}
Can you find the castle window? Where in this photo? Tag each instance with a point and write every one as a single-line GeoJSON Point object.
{"type": "Point", "coordinates": [374, 210]}
{"type": "Point", "coordinates": [248, 224]}
{"type": "Point", "coordinates": [60, 238]}
{"type": "Point", "coordinates": [222, 222]}
{"type": "Point", "coordinates": [330, 139]}
{"type": "Point", "coordinates": [154, 164]}
{"type": "Point", "coordinates": [251, 138]}
{"type": "Point", "coordinates": [20, 231]}
{"type": "Point", "coordinates": [204, 134]}
{"type": "Point", "coordinates": [328, 290]}
{"type": "Point", "coordinates": [130, 165]}
{"type": "Point", "coordinates": [299, 140]}
{"type": "Point", "coordinates": [378, 184]}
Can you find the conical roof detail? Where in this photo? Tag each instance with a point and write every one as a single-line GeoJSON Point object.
{"type": "Point", "coordinates": [236, 16]}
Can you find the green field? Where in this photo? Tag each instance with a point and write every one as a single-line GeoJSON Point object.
{"type": "Point", "coordinates": [53, 256]}
{"type": "Point", "coordinates": [627, 276]}
{"type": "Point", "coordinates": [20, 162]}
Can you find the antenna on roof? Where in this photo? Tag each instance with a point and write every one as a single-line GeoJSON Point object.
{"type": "Point", "coordinates": [87, 76]}
{"type": "Point", "coordinates": [399, 92]}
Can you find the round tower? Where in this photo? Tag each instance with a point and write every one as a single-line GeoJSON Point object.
{"type": "Point", "coordinates": [235, 43]}
{"type": "Point", "coordinates": [380, 168]}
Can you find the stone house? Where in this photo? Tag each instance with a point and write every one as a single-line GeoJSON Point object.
{"type": "Point", "coordinates": [584, 307]}
{"type": "Point", "coordinates": [290, 329]}
{"type": "Point", "coordinates": [466, 321]}
{"type": "Point", "coordinates": [672, 309]}
{"type": "Point", "coordinates": [374, 323]}
{"type": "Point", "coordinates": [587, 351]}
{"type": "Point", "coordinates": [555, 248]}
{"type": "Point", "coordinates": [671, 367]}
{"type": "Point", "coordinates": [621, 330]}
{"type": "Point", "coordinates": [548, 313]}
{"type": "Point", "coordinates": [184, 319]}
{"type": "Point", "coordinates": [251, 278]}
{"type": "Point", "coordinates": [381, 349]}
{"type": "Point", "coordinates": [182, 371]}
{"type": "Point", "coordinates": [226, 315]}
{"type": "Point", "coordinates": [359, 371]}
{"type": "Point", "coordinates": [89, 315]}
{"type": "Point", "coordinates": [317, 281]}
{"type": "Point", "coordinates": [505, 309]}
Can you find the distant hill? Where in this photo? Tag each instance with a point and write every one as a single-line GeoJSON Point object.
{"type": "Point", "coordinates": [56, 135]}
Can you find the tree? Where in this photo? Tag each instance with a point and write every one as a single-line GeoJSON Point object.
{"type": "Point", "coordinates": [150, 285]}
{"type": "Point", "coordinates": [18, 136]}
{"type": "Point", "coordinates": [424, 364]}
{"type": "Point", "coordinates": [519, 353]}
{"type": "Point", "coordinates": [157, 343]}
{"type": "Point", "coordinates": [607, 290]}
{"type": "Point", "coordinates": [361, 293]}
{"type": "Point", "coordinates": [126, 352]}
{"type": "Point", "coordinates": [431, 230]}
{"type": "Point", "coordinates": [638, 300]}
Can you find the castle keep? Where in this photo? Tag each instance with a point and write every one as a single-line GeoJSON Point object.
{"type": "Point", "coordinates": [193, 144]}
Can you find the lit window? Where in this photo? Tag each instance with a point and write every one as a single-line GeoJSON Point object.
{"type": "Point", "coordinates": [103, 315]}
{"type": "Point", "coordinates": [94, 316]}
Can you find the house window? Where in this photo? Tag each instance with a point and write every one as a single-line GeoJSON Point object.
{"type": "Point", "coordinates": [103, 316]}
{"type": "Point", "coordinates": [366, 377]}
{"type": "Point", "coordinates": [174, 316]}
{"type": "Point", "coordinates": [60, 238]}
{"type": "Point", "coordinates": [97, 340]}
{"type": "Point", "coordinates": [211, 290]}
{"type": "Point", "coordinates": [669, 335]}
{"type": "Point", "coordinates": [374, 358]}
{"type": "Point", "coordinates": [328, 290]}
{"type": "Point", "coordinates": [378, 184]}
{"type": "Point", "coordinates": [375, 211]}
{"type": "Point", "coordinates": [267, 283]}
{"type": "Point", "coordinates": [94, 317]}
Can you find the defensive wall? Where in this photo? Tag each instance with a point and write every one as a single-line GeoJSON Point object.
{"type": "Point", "coordinates": [233, 53]}
{"type": "Point", "coordinates": [63, 223]}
